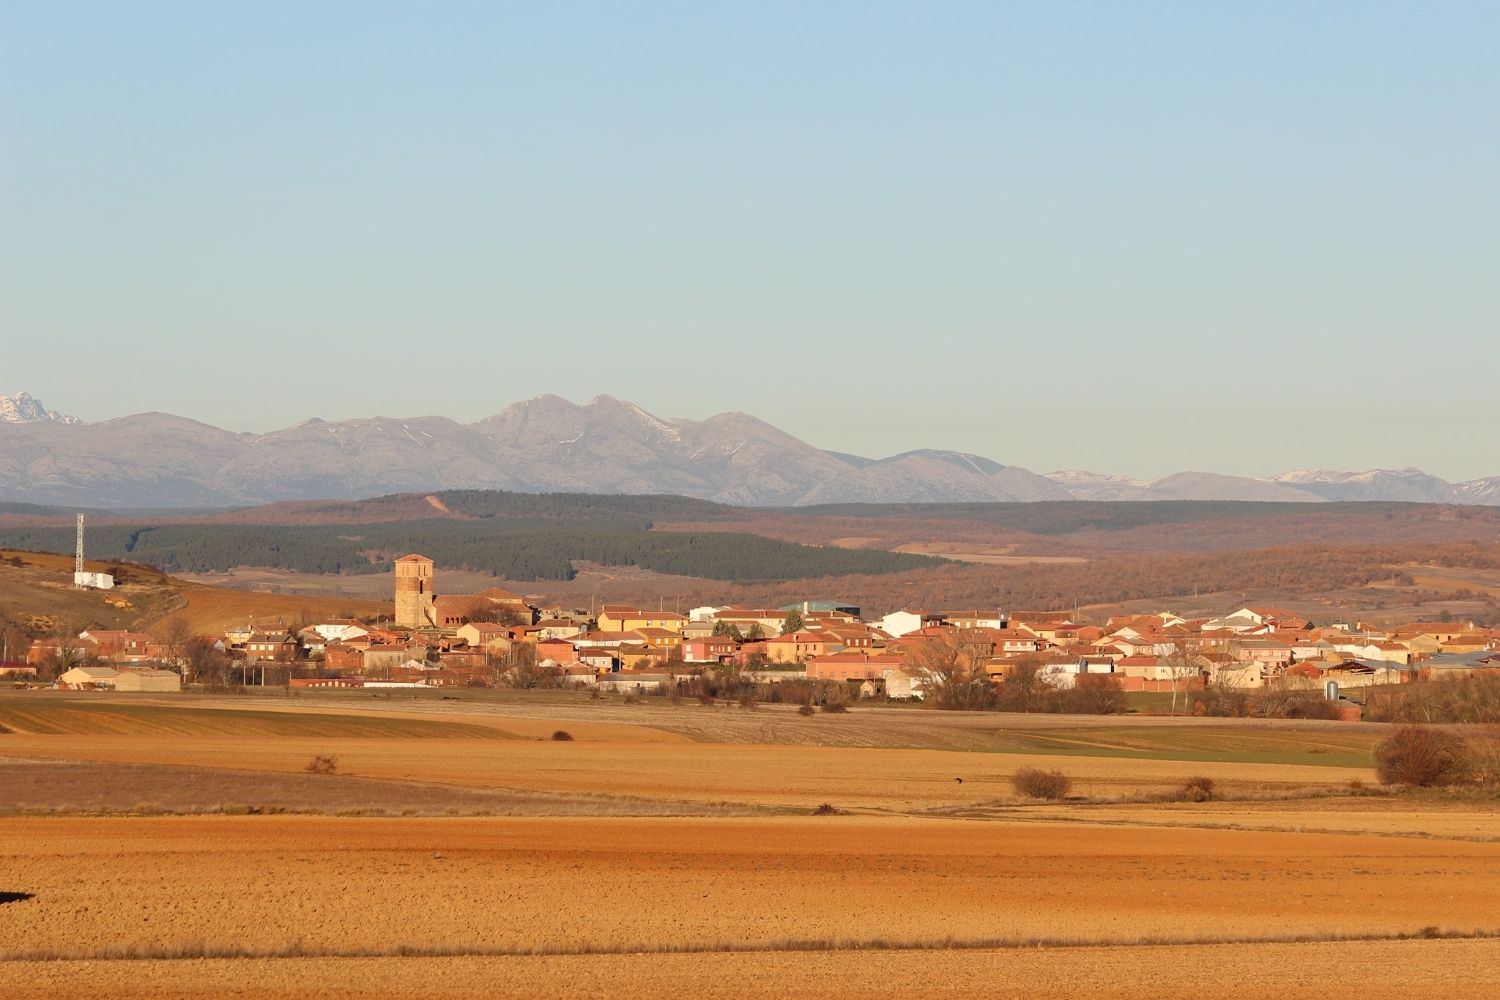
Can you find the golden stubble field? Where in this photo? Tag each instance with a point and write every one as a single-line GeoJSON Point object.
{"type": "Point", "coordinates": [606, 893]}
{"type": "Point", "coordinates": [947, 878]}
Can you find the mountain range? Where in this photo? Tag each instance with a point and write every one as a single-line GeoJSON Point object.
{"type": "Point", "coordinates": [548, 444]}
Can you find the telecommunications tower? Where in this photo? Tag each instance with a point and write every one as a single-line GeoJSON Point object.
{"type": "Point", "coordinates": [81, 579]}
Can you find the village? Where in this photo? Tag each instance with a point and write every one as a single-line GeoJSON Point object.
{"type": "Point", "coordinates": [494, 638]}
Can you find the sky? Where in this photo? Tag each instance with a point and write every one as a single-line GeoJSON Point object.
{"type": "Point", "coordinates": [1135, 238]}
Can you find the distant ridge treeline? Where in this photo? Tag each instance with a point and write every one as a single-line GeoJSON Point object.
{"type": "Point", "coordinates": [1307, 571]}
{"type": "Point", "coordinates": [514, 548]}
{"type": "Point", "coordinates": [1062, 517]}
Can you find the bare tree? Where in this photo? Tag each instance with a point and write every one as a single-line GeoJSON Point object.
{"type": "Point", "coordinates": [499, 614]}
{"type": "Point", "coordinates": [1023, 689]}
{"type": "Point", "coordinates": [953, 670]}
{"type": "Point", "coordinates": [204, 664]}
{"type": "Point", "coordinates": [1183, 664]}
{"type": "Point", "coordinates": [174, 634]}
{"type": "Point", "coordinates": [518, 668]}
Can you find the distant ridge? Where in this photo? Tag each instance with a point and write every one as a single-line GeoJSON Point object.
{"type": "Point", "coordinates": [548, 444]}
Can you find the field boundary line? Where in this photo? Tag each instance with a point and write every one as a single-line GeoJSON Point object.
{"type": "Point", "coordinates": [297, 949]}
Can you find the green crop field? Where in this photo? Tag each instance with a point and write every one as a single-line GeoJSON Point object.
{"type": "Point", "coordinates": [43, 715]}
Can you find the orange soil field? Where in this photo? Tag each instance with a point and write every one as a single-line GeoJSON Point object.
{"type": "Point", "coordinates": [1382, 971]}
{"type": "Point", "coordinates": [1169, 898]}
{"type": "Point", "coordinates": [863, 778]}
{"type": "Point", "coordinates": [1370, 970]}
{"type": "Point", "coordinates": [578, 884]}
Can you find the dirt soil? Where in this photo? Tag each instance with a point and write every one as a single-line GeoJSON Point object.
{"type": "Point", "coordinates": [859, 778]}
{"type": "Point", "coordinates": [579, 885]}
{"type": "Point", "coordinates": [580, 882]}
{"type": "Point", "coordinates": [66, 787]}
{"type": "Point", "coordinates": [1417, 970]}
{"type": "Point", "coordinates": [915, 859]}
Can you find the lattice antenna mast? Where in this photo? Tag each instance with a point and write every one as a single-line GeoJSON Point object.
{"type": "Point", "coordinates": [78, 556]}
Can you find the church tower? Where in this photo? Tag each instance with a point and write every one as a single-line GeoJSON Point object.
{"type": "Point", "coordinates": [414, 593]}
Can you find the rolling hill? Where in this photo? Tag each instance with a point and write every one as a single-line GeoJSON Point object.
{"type": "Point", "coordinates": [37, 599]}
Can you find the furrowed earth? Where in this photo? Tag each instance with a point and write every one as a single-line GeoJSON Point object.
{"type": "Point", "coordinates": [155, 846]}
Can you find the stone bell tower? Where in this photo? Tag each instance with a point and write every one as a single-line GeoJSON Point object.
{"type": "Point", "coordinates": [414, 593]}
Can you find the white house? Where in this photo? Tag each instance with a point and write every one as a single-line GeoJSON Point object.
{"type": "Point", "coordinates": [899, 623]}
{"type": "Point", "coordinates": [905, 683]}
{"type": "Point", "coordinates": [81, 677]}
{"type": "Point", "coordinates": [1241, 624]}
{"type": "Point", "coordinates": [636, 683]}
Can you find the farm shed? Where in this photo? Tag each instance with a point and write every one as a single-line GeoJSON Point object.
{"type": "Point", "coordinates": [79, 678]}
{"type": "Point", "coordinates": [148, 680]}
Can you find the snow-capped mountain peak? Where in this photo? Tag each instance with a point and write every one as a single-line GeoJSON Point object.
{"type": "Point", "coordinates": [1408, 484]}
{"type": "Point", "coordinates": [24, 408]}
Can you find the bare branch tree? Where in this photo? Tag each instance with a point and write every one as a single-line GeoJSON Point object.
{"type": "Point", "coordinates": [953, 670]}
{"type": "Point", "coordinates": [1183, 664]}
{"type": "Point", "coordinates": [174, 634]}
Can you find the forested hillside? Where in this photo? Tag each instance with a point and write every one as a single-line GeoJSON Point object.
{"type": "Point", "coordinates": [1061, 517]}
{"type": "Point", "coordinates": [514, 548]}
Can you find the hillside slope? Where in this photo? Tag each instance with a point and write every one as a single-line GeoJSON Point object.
{"type": "Point", "coordinates": [37, 599]}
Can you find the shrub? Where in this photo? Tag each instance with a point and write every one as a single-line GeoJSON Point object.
{"type": "Point", "coordinates": [594, 694]}
{"type": "Point", "coordinates": [747, 701]}
{"type": "Point", "coordinates": [562, 736]}
{"type": "Point", "coordinates": [835, 707]}
{"type": "Point", "coordinates": [1199, 789]}
{"type": "Point", "coordinates": [807, 710]}
{"type": "Point", "coordinates": [1416, 755]}
{"type": "Point", "coordinates": [632, 699]}
{"type": "Point", "coordinates": [1475, 698]}
{"type": "Point", "coordinates": [828, 809]}
{"type": "Point", "coordinates": [1221, 701]}
{"type": "Point", "coordinates": [1094, 694]}
{"type": "Point", "coordinates": [1484, 757]}
{"type": "Point", "coordinates": [322, 764]}
{"type": "Point", "coordinates": [1034, 783]}
{"type": "Point", "coordinates": [706, 700]}
{"type": "Point", "coordinates": [1287, 703]}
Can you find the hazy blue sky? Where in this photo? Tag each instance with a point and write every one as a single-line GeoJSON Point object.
{"type": "Point", "coordinates": [1132, 237]}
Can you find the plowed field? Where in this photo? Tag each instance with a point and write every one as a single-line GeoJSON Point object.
{"type": "Point", "coordinates": [1404, 970]}
{"type": "Point", "coordinates": [600, 881]}
{"type": "Point", "coordinates": [584, 885]}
